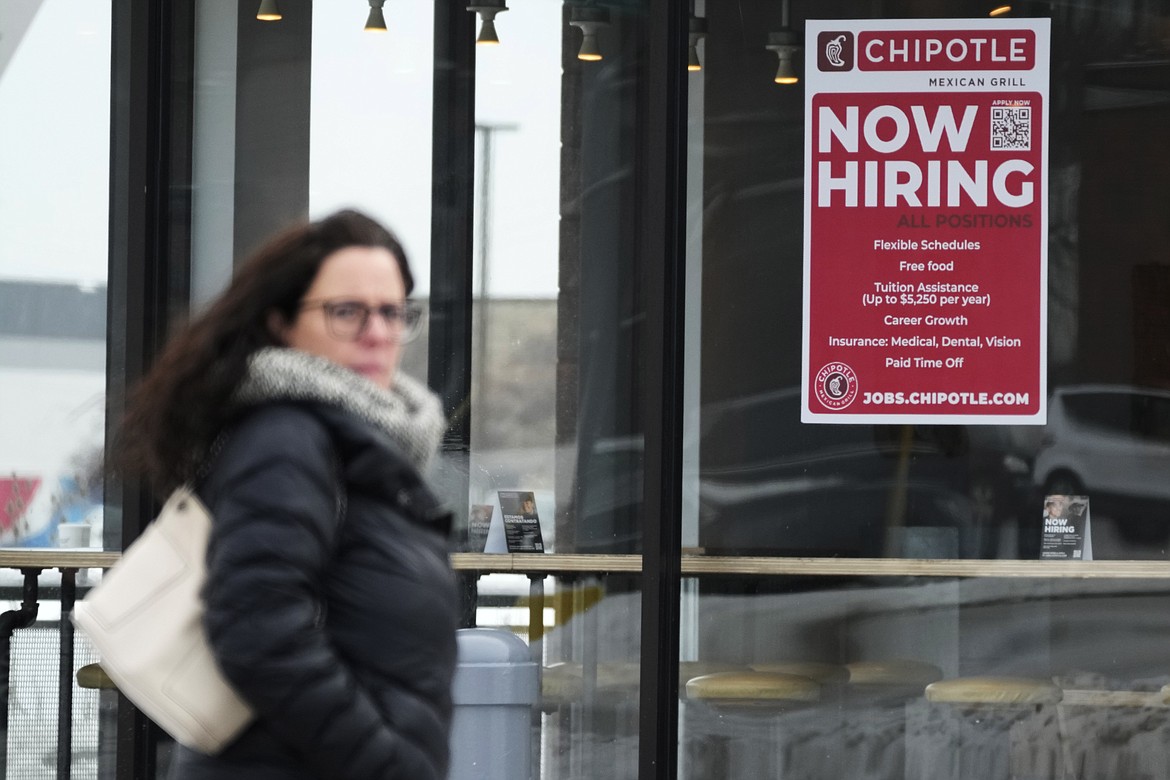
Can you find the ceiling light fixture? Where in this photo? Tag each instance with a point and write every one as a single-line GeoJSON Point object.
{"type": "Point", "coordinates": [487, 10]}
{"type": "Point", "coordinates": [376, 21]}
{"type": "Point", "coordinates": [786, 43]}
{"type": "Point", "coordinates": [696, 31]}
{"type": "Point", "coordinates": [268, 11]}
{"type": "Point", "coordinates": [590, 20]}
{"type": "Point", "coordinates": [1000, 10]}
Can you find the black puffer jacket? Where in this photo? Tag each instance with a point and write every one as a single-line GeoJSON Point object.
{"type": "Point", "coordinates": [340, 632]}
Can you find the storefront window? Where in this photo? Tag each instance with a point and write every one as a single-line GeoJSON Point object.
{"type": "Point", "coordinates": [518, 91]}
{"type": "Point", "coordinates": [864, 557]}
{"type": "Point", "coordinates": [54, 249]}
{"type": "Point", "coordinates": [370, 122]}
{"type": "Point", "coordinates": [55, 78]}
{"type": "Point", "coordinates": [555, 406]}
{"type": "Point", "coordinates": [865, 599]}
{"type": "Point", "coordinates": [520, 222]}
{"type": "Point", "coordinates": [769, 483]}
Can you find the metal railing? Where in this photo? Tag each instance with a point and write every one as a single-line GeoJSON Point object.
{"type": "Point", "coordinates": [24, 616]}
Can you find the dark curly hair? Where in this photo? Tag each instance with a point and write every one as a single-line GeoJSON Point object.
{"type": "Point", "coordinates": [182, 404]}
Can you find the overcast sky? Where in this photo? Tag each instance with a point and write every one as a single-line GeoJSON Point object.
{"type": "Point", "coordinates": [54, 141]}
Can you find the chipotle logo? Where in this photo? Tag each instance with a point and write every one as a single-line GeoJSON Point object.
{"type": "Point", "coordinates": [835, 50]}
{"type": "Point", "coordinates": [908, 50]}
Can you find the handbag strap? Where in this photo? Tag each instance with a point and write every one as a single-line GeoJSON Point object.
{"type": "Point", "coordinates": [209, 458]}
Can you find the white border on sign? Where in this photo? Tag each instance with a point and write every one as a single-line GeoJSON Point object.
{"type": "Point", "coordinates": [911, 81]}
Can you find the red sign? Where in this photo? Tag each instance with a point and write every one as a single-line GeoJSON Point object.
{"type": "Point", "coordinates": [16, 493]}
{"type": "Point", "coordinates": [925, 223]}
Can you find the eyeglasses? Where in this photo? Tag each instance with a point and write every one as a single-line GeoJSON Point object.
{"type": "Point", "coordinates": [348, 320]}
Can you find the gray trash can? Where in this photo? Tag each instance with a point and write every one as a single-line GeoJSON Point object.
{"type": "Point", "coordinates": [496, 687]}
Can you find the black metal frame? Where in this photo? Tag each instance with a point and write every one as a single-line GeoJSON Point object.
{"type": "Point", "coordinates": [452, 187]}
{"type": "Point", "coordinates": [149, 266]}
{"type": "Point", "coordinates": [65, 675]}
{"type": "Point", "coordinates": [661, 188]}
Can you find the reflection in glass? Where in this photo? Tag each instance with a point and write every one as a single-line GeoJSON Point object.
{"type": "Point", "coordinates": [916, 677]}
{"type": "Point", "coordinates": [927, 679]}
{"type": "Point", "coordinates": [54, 212]}
{"type": "Point", "coordinates": [555, 404]}
{"type": "Point", "coordinates": [769, 485]}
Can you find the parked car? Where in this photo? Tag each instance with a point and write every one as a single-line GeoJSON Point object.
{"type": "Point", "coordinates": [1111, 443]}
{"type": "Point", "coordinates": [772, 485]}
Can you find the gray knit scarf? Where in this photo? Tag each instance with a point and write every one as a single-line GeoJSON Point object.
{"type": "Point", "coordinates": [408, 412]}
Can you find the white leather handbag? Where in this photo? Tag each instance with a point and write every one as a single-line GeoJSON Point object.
{"type": "Point", "coordinates": [145, 619]}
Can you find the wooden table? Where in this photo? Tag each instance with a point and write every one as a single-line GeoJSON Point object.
{"type": "Point", "coordinates": [695, 565]}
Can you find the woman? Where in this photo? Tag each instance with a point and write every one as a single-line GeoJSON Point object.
{"type": "Point", "coordinates": [331, 606]}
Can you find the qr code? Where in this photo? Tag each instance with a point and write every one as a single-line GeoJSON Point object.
{"type": "Point", "coordinates": [1011, 128]}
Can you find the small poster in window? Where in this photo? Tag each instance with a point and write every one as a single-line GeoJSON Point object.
{"type": "Point", "coordinates": [521, 524]}
{"type": "Point", "coordinates": [1067, 534]}
{"type": "Point", "coordinates": [479, 522]}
